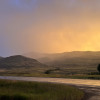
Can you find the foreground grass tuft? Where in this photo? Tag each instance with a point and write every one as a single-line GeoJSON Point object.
{"type": "Point", "coordinates": [17, 90]}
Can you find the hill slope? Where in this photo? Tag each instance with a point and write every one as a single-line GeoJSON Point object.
{"type": "Point", "coordinates": [1, 57]}
{"type": "Point", "coordinates": [19, 61]}
{"type": "Point", "coordinates": [77, 61]}
{"type": "Point", "coordinates": [72, 58]}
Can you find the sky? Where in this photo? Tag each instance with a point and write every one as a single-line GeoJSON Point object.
{"type": "Point", "coordinates": [49, 26]}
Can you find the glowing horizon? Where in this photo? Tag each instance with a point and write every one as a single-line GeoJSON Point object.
{"type": "Point", "coordinates": [51, 26]}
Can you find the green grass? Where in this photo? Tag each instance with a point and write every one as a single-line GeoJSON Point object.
{"type": "Point", "coordinates": [18, 90]}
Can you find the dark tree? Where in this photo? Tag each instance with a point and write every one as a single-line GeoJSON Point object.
{"type": "Point", "coordinates": [47, 72]}
{"type": "Point", "coordinates": [98, 68]}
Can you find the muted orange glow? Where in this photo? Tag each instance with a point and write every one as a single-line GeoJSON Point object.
{"type": "Point", "coordinates": [50, 26]}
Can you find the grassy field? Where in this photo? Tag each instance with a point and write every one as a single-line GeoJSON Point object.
{"type": "Point", "coordinates": [74, 76]}
{"type": "Point", "coordinates": [52, 72]}
{"type": "Point", "coordinates": [17, 90]}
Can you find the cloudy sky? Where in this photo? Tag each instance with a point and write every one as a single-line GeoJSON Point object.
{"type": "Point", "coordinates": [49, 26]}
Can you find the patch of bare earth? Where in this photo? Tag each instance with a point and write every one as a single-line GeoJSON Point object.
{"type": "Point", "coordinates": [91, 92]}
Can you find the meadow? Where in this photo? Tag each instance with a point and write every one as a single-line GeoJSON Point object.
{"type": "Point", "coordinates": [20, 90]}
{"type": "Point", "coordinates": [93, 76]}
{"type": "Point", "coordinates": [60, 72]}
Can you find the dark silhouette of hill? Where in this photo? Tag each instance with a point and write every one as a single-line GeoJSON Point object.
{"type": "Point", "coordinates": [1, 58]}
{"type": "Point", "coordinates": [19, 61]}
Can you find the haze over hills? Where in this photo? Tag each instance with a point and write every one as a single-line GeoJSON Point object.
{"type": "Point", "coordinates": [35, 55]}
{"type": "Point", "coordinates": [76, 58]}
{"type": "Point", "coordinates": [76, 62]}
{"type": "Point", "coordinates": [65, 57]}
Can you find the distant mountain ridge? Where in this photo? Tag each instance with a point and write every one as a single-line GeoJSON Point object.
{"type": "Point", "coordinates": [72, 59]}
{"type": "Point", "coordinates": [19, 61]}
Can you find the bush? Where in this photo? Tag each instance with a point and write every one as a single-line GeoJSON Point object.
{"type": "Point", "coordinates": [98, 68]}
{"type": "Point", "coordinates": [48, 72]}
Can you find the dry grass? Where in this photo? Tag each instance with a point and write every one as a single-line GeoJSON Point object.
{"type": "Point", "coordinates": [17, 90]}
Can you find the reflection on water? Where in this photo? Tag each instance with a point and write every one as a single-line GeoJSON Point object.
{"type": "Point", "coordinates": [78, 82]}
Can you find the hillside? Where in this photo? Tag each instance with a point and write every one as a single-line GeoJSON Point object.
{"type": "Point", "coordinates": [70, 58]}
{"type": "Point", "coordinates": [1, 57]}
{"type": "Point", "coordinates": [68, 63]}
{"type": "Point", "coordinates": [19, 61]}
{"type": "Point", "coordinates": [77, 61]}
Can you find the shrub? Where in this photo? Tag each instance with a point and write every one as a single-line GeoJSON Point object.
{"type": "Point", "coordinates": [98, 68]}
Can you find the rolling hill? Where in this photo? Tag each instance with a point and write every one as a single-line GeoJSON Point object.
{"type": "Point", "coordinates": [21, 65]}
{"type": "Point", "coordinates": [76, 61]}
{"type": "Point", "coordinates": [1, 57]}
{"type": "Point", "coordinates": [68, 63]}
{"type": "Point", "coordinates": [19, 61]}
{"type": "Point", "coordinates": [76, 58]}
